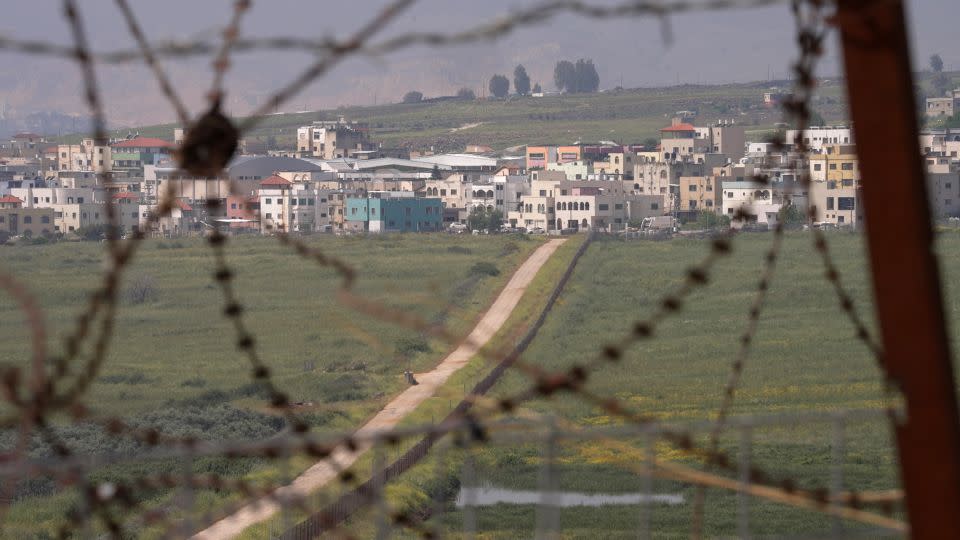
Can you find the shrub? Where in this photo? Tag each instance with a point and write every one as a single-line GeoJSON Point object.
{"type": "Point", "coordinates": [484, 269]}
{"type": "Point", "coordinates": [411, 345]}
{"type": "Point", "coordinates": [128, 378]}
{"type": "Point", "coordinates": [142, 290]}
{"type": "Point", "coordinates": [195, 382]}
{"type": "Point", "coordinates": [413, 96]}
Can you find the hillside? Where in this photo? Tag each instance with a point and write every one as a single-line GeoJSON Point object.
{"type": "Point", "coordinates": [630, 115]}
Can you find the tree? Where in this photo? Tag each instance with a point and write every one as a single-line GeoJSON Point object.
{"type": "Point", "coordinates": [564, 76]}
{"type": "Point", "coordinates": [587, 79]}
{"type": "Point", "coordinates": [466, 93]}
{"type": "Point", "coordinates": [936, 63]}
{"type": "Point", "coordinates": [494, 220]}
{"type": "Point", "coordinates": [477, 220]}
{"type": "Point", "coordinates": [521, 81]}
{"type": "Point", "coordinates": [413, 96]}
{"type": "Point", "coordinates": [537, 89]}
{"type": "Point", "coordinates": [574, 78]}
{"type": "Point", "coordinates": [791, 217]}
{"type": "Point", "coordinates": [499, 86]}
{"type": "Point", "coordinates": [435, 173]}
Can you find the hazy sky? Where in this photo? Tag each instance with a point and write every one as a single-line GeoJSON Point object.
{"type": "Point", "coordinates": [728, 46]}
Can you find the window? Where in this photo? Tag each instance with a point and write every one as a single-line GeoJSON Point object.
{"type": "Point", "coordinates": [453, 192]}
{"type": "Point", "coordinates": [543, 193]}
{"type": "Point", "coordinates": [693, 187]}
{"type": "Point", "coordinates": [406, 212]}
{"type": "Point", "coordinates": [80, 200]}
{"type": "Point", "coordinates": [603, 206]}
{"type": "Point", "coordinates": [353, 211]}
{"type": "Point", "coordinates": [233, 206]}
{"type": "Point", "coordinates": [269, 215]}
{"type": "Point", "coordinates": [730, 194]}
{"type": "Point", "coordinates": [829, 203]}
{"type": "Point", "coordinates": [373, 211]}
{"type": "Point", "coordinates": [845, 203]}
{"type": "Point", "coordinates": [833, 166]}
{"type": "Point", "coordinates": [832, 184]}
{"type": "Point", "coordinates": [846, 166]}
{"type": "Point", "coordinates": [693, 205]}
{"type": "Point", "coordinates": [847, 182]}
{"type": "Point", "coordinates": [709, 203]}
{"type": "Point", "coordinates": [27, 219]}
{"type": "Point", "coordinates": [268, 201]}
{"type": "Point", "coordinates": [303, 201]}
{"type": "Point", "coordinates": [311, 202]}
{"type": "Point", "coordinates": [618, 206]}
{"type": "Point", "coordinates": [654, 206]}
{"type": "Point", "coordinates": [44, 219]}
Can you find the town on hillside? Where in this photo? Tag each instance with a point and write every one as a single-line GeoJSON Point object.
{"type": "Point", "coordinates": [339, 180]}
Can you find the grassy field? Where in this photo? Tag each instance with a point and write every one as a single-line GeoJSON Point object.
{"type": "Point", "coordinates": [173, 365]}
{"type": "Point", "coordinates": [805, 358]}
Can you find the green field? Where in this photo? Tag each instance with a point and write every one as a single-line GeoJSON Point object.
{"type": "Point", "coordinates": [805, 358]}
{"type": "Point", "coordinates": [173, 365]}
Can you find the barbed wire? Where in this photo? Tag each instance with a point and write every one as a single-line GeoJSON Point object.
{"type": "Point", "coordinates": [209, 144]}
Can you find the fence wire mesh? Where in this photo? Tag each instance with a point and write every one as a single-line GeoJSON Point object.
{"type": "Point", "coordinates": [58, 382]}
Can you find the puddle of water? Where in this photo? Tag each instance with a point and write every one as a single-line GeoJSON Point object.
{"type": "Point", "coordinates": [488, 496]}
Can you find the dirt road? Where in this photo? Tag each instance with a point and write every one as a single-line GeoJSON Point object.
{"type": "Point", "coordinates": [318, 475]}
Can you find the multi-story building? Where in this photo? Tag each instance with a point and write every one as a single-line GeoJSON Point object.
{"type": "Point", "coordinates": [817, 137]}
{"type": "Point", "coordinates": [132, 155]}
{"type": "Point", "coordinates": [538, 157]}
{"type": "Point", "coordinates": [943, 190]}
{"type": "Point", "coordinates": [335, 139]}
{"type": "Point", "coordinates": [72, 208]}
{"type": "Point", "coordinates": [393, 211]}
{"type": "Point", "coordinates": [943, 106]}
{"type": "Point", "coordinates": [699, 193]}
{"type": "Point", "coordinates": [86, 156]}
{"type": "Point", "coordinates": [16, 219]}
{"type": "Point", "coordinates": [761, 203]}
{"type": "Point", "coordinates": [835, 185]}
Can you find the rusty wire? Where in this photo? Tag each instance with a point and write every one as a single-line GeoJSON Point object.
{"type": "Point", "coordinates": [48, 398]}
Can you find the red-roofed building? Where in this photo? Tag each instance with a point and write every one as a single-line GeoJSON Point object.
{"type": "Point", "coordinates": [9, 201]}
{"type": "Point", "coordinates": [681, 128]}
{"type": "Point", "coordinates": [15, 219]}
{"type": "Point", "coordinates": [276, 182]}
{"type": "Point", "coordinates": [133, 154]}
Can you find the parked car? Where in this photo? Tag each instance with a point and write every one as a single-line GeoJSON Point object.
{"type": "Point", "coordinates": [536, 230]}
{"type": "Point", "coordinates": [457, 228]}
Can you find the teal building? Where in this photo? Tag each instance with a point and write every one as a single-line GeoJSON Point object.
{"type": "Point", "coordinates": [391, 211]}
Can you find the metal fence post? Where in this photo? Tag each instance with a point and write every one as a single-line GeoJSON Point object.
{"type": "Point", "coordinates": [379, 484]}
{"type": "Point", "coordinates": [649, 447]}
{"type": "Point", "coordinates": [743, 499]}
{"type": "Point", "coordinates": [548, 511]}
{"type": "Point", "coordinates": [906, 281]}
{"type": "Point", "coordinates": [469, 495]}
